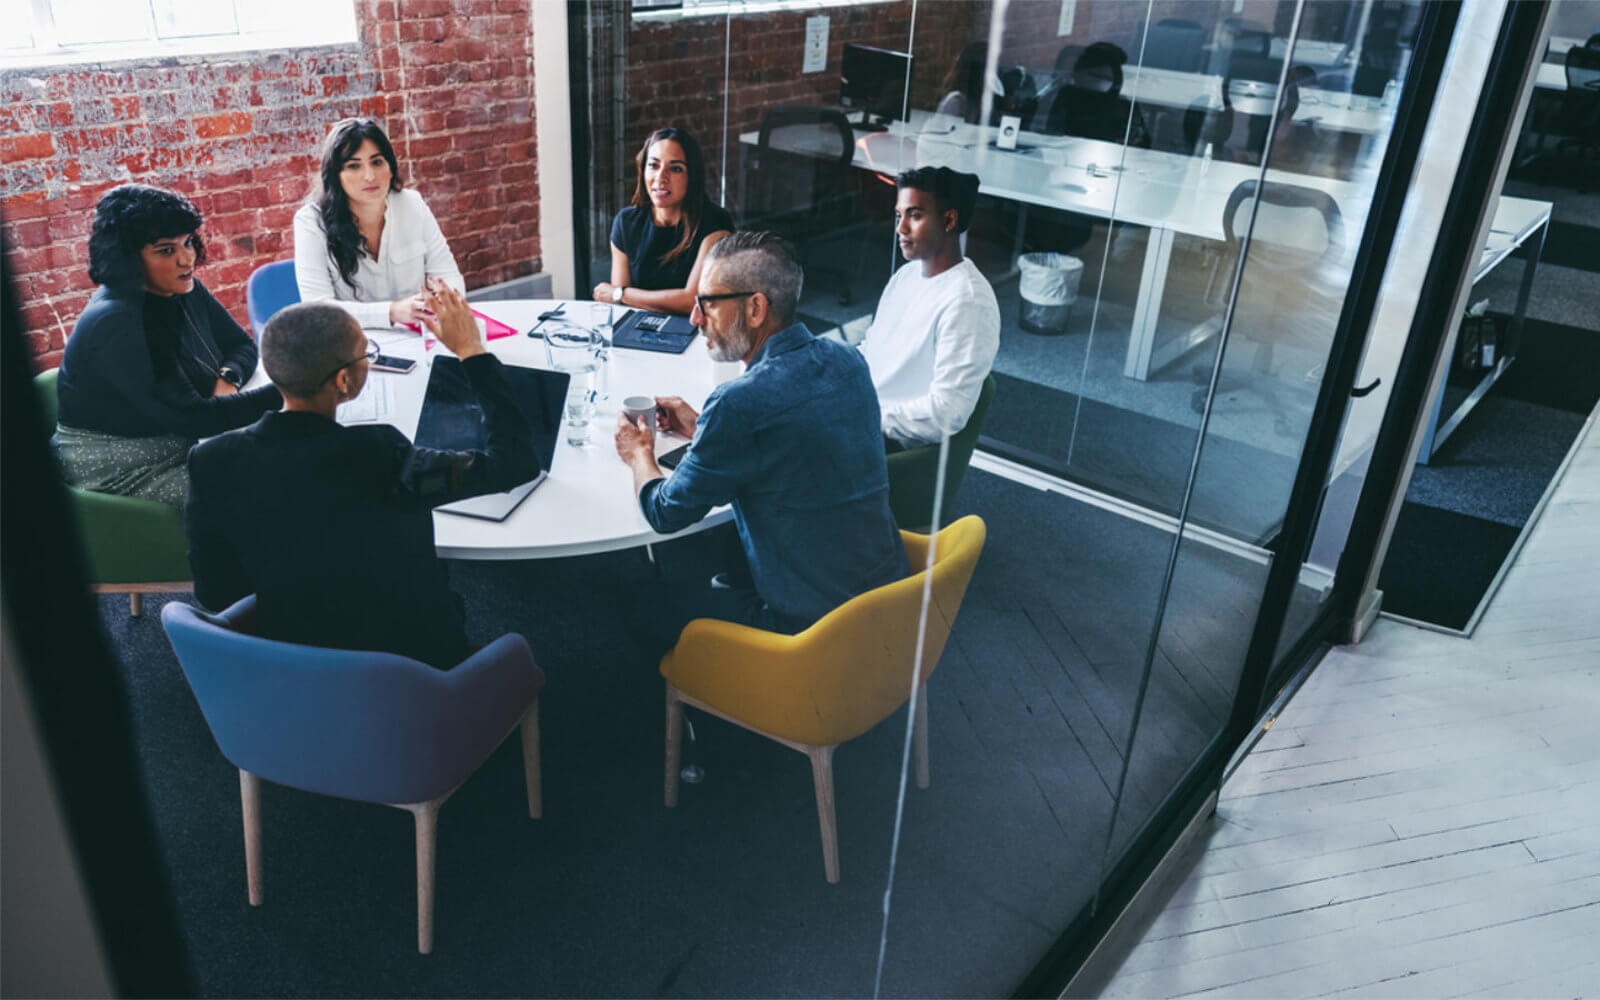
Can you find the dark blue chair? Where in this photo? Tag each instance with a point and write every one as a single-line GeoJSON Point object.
{"type": "Point", "coordinates": [271, 287]}
{"type": "Point", "coordinates": [374, 727]}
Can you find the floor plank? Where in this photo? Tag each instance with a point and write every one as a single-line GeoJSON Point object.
{"type": "Point", "coordinates": [1419, 820]}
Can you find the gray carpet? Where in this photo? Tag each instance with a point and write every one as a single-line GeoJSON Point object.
{"type": "Point", "coordinates": [611, 894]}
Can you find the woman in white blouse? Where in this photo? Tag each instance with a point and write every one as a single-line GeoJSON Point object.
{"type": "Point", "coordinates": [363, 240]}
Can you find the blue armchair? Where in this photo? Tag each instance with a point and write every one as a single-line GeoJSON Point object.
{"type": "Point", "coordinates": [374, 727]}
{"type": "Point", "coordinates": [270, 288]}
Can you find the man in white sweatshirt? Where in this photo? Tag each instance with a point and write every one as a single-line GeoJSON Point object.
{"type": "Point", "coordinates": [934, 337]}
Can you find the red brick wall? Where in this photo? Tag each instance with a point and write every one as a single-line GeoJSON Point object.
{"type": "Point", "coordinates": [452, 80]}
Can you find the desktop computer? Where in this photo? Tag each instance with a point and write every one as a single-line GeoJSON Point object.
{"type": "Point", "coordinates": [874, 81]}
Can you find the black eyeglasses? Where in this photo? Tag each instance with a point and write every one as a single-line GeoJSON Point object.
{"type": "Point", "coordinates": [701, 300]}
{"type": "Point", "coordinates": [370, 354]}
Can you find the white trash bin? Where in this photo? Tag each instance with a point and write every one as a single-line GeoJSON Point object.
{"type": "Point", "coordinates": [1049, 285]}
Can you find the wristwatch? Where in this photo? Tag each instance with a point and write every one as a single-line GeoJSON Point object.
{"type": "Point", "coordinates": [230, 376]}
{"type": "Point", "coordinates": [616, 293]}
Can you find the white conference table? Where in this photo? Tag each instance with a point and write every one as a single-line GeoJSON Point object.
{"type": "Point", "coordinates": [1329, 109]}
{"type": "Point", "coordinates": [587, 505]}
{"type": "Point", "coordinates": [1551, 76]}
{"type": "Point", "coordinates": [1170, 193]}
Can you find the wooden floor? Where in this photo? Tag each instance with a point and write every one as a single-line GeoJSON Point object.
{"type": "Point", "coordinates": [1423, 819]}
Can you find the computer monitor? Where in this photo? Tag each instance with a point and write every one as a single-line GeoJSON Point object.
{"type": "Point", "coordinates": [874, 80]}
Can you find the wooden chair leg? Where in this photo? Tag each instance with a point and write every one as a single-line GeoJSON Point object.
{"type": "Point", "coordinates": [674, 746]}
{"type": "Point", "coordinates": [427, 818]}
{"type": "Point", "coordinates": [822, 778]}
{"type": "Point", "coordinates": [919, 736]}
{"type": "Point", "coordinates": [135, 604]}
{"type": "Point", "coordinates": [532, 776]}
{"type": "Point", "coordinates": [250, 798]}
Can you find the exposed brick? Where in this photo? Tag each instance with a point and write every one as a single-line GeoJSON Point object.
{"type": "Point", "coordinates": [240, 134]}
{"type": "Point", "coordinates": [215, 126]}
{"type": "Point", "coordinates": [37, 146]}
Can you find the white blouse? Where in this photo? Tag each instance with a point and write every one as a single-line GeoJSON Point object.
{"type": "Point", "coordinates": [411, 249]}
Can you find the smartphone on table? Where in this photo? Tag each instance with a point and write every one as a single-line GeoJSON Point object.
{"type": "Point", "coordinates": [390, 363]}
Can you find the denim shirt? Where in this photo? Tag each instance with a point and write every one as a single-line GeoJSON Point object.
{"type": "Point", "coordinates": [794, 444]}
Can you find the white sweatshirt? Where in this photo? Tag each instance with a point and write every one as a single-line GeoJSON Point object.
{"type": "Point", "coordinates": [931, 344]}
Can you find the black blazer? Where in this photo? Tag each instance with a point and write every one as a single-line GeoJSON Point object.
{"type": "Point", "coordinates": [331, 527]}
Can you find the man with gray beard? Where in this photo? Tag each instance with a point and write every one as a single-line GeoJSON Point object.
{"type": "Point", "coordinates": [794, 444]}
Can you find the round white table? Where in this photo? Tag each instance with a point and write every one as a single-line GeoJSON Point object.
{"type": "Point", "coordinates": [587, 505]}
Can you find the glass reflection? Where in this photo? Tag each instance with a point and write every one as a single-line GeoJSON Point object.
{"type": "Point", "coordinates": [1169, 200]}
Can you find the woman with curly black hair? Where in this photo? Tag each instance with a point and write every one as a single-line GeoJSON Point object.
{"type": "Point", "coordinates": [364, 240]}
{"type": "Point", "coordinates": [154, 362]}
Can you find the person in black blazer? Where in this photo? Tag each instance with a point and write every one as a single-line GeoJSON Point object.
{"type": "Point", "coordinates": [331, 527]}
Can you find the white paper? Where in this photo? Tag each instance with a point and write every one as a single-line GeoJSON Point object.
{"type": "Point", "coordinates": [1069, 15]}
{"type": "Point", "coordinates": [816, 59]}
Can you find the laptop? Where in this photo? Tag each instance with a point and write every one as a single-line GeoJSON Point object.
{"type": "Point", "coordinates": [648, 331]}
{"type": "Point", "coordinates": [452, 420]}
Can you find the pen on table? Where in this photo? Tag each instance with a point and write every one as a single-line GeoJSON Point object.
{"type": "Point", "coordinates": [552, 314]}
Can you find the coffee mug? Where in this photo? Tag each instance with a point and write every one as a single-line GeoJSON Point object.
{"type": "Point", "coordinates": [637, 408]}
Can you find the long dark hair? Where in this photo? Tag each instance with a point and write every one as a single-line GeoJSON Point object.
{"type": "Point", "coordinates": [129, 218]}
{"type": "Point", "coordinates": [344, 236]}
{"type": "Point", "coordinates": [695, 201]}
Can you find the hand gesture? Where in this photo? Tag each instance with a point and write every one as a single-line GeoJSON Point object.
{"type": "Point", "coordinates": [413, 309]}
{"type": "Point", "coordinates": [634, 441]}
{"type": "Point", "coordinates": [676, 416]}
{"type": "Point", "coordinates": [450, 319]}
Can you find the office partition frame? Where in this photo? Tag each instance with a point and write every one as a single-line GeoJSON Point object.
{"type": "Point", "coordinates": [1263, 670]}
{"type": "Point", "coordinates": [1263, 675]}
{"type": "Point", "coordinates": [1485, 159]}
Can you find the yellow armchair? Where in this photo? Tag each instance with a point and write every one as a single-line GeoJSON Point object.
{"type": "Point", "coordinates": [834, 681]}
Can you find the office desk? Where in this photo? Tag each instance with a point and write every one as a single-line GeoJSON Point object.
{"type": "Point", "coordinates": [1517, 221]}
{"type": "Point", "coordinates": [1329, 109]}
{"type": "Point", "coordinates": [587, 504]}
{"type": "Point", "coordinates": [1552, 76]}
{"type": "Point", "coordinates": [1169, 193]}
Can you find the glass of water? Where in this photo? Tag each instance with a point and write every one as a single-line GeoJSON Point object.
{"type": "Point", "coordinates": [581, 352]}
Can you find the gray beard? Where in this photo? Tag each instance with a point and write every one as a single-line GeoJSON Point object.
{"type": "Point", "coordinates": [734, 347]}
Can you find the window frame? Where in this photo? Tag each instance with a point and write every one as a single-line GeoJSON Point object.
{"type": "Point", "coordinates": [44, 49]}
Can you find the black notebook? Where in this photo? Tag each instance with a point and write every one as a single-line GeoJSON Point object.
{"type": "Point", "coordinates": [648, 331]}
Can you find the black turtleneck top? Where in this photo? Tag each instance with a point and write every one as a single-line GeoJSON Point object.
{"type": "Point", "coordinates": [142, 365]}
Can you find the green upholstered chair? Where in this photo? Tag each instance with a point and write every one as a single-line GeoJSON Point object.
{"type": "Point", "coordinates": [913, 472]}
{"type": "Point", "coordinates": [133, 546]}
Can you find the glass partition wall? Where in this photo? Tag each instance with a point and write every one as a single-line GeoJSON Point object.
{"type": "Point", "coordinates": [1171, 199]}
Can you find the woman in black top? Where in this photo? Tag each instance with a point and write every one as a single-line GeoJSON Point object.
{"type": "Point", "coordinates": [658, 242]}
{"type": "Point", "coordinates": [154, 362]}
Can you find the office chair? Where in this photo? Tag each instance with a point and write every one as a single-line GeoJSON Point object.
{"type": "Point", "coordinates": [132, 546]}
{"type": "Point", "coordinates": [1290, 281]}
{"type": "Point", "coordinates": [799, 182]}
{"type": "Point", "coordinates": [1176, 44]}
{"type": "Point", "coordinates": [372, 727]}
{"type": "Point", "coordinates": [832, 682]}
{"type": "Point", "coordinates": [913, 472]}
{"type": "Point", "coordinates": [1579, 117]}
{"type": "Point", "coordinates": [270, 288]}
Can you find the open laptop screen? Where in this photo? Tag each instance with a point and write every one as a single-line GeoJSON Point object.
{"type": "Point", "coordinates": [451, 419]}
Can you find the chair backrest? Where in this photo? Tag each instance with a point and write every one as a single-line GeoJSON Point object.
{"type": "Point", "coordinates": [1583, 70]}
{"type": "Point", "coordinates": [1301, 221]}
{"type": "Point", "coordinates": [913, 472]}
{"type": "Point", "coordinates": [1173, 43]}
{"type": "Point", "coordinates": [358, 725]}
{"type": "Point", "coordinates": [46, 385]}
{"type": "Point", "coordinates": [860, 654]}
{"type": "Point", "coordinates": [799, 169]}
{"type": "Point", "coordinates": [271, 287]}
